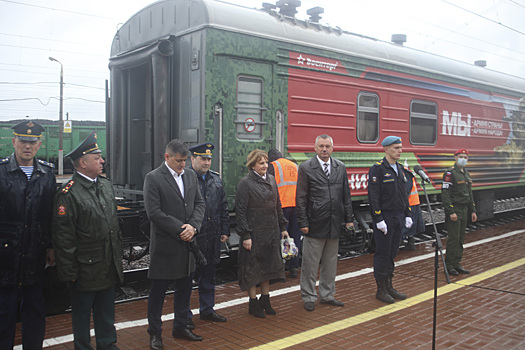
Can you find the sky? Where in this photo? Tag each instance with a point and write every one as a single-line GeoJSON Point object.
{"type": "Point", "coordinates": [79, 35]}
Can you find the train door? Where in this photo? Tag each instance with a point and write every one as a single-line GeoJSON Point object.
{"type": "Point", "coordinates": [244, 89]}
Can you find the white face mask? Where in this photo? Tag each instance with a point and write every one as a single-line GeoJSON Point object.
{"type": "Point", "coordinates": [462, 162]}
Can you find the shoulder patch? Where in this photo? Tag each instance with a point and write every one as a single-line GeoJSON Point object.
{"type": "Point", "coordinates": [68, 186]}
{"type": "Point", "coordinates": [447, 177]}
{"type": "Point", "coordinates": [5, 160]}
{"type": "Point", "coordinates": [43, 162]}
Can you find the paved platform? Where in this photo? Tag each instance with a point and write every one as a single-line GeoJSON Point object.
{"type": "Point", "coordinates": [483, 310]}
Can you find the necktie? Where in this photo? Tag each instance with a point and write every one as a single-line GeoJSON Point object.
{"type": "Point", "coordinates": [326, 172]}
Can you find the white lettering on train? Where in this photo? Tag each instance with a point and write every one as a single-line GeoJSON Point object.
{"type": "Point", "coordinates": [315, 63]}
{"type": "Point", "coordinates": [455, 125]}
{"type": "Point", "coordinates": [358, 181]}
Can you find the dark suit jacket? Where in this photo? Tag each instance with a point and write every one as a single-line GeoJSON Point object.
{"type": "Point", "coordinates": [167, 210]}
{"type": "Point", "coordinates": [323, 204]}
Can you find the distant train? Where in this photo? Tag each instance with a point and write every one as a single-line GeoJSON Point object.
{"type": "Point", "coordinates": [209, 71]}
{"type": "Point", "coordinates": [49, 149]}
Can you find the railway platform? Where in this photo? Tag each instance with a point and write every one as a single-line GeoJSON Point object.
{"type": "Point", "coordinates": [482, 310]}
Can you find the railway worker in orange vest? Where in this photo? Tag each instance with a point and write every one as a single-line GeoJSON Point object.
{"type": "Point", "coordinates": [458, 201]}
{"type": "Point", "coordinates": [390, 211]}
{"type": "Point", "coordinates": [414, 203]}
{"type": "Point", "coordinates": [285, 173]}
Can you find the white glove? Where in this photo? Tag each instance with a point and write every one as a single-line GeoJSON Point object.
{"type": "Point", "coordinates": [381, 225]}
{"type": "Point", "coordinates": [408, 222]}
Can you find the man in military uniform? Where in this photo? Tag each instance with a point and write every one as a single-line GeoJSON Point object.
{"type": "Point", "coordinates": [456, 194]}
{"type": "Point", "coordinates": [27, 187]}
{"type": "Point", "coordinates": [214, 230]}
{"type": "Point", "coordinates": [88, 246]}
{"type": "Point", "coordinates": [390, 211]}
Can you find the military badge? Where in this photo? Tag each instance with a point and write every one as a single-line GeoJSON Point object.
{"type": "Point", "coordinates": [61, 210]}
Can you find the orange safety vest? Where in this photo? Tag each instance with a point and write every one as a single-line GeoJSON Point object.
{"type": "Point", "coordinates": [413, 197]}
{"type": "Point", "coordinates": [286, 178]}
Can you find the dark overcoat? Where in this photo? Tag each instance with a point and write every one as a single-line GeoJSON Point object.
{"type": "Point", "coordinates": [25, 221]}
{"type": "Point", "coordinates": [323, 204]}
{"type": "Point", "coordinates": [259, 218]}
{"type": "Point", "coordinates": [216, 220]}
{"type": "Point", "coordinates": [168, 210]}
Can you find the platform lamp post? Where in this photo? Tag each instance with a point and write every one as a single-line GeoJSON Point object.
{"type": "Point", "coordinates": [60, 120]}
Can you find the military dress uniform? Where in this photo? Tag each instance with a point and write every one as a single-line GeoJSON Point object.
{"type": "Point", "coordinates": [388, 201]}
{"type": "Point", "coordinates": [88, 249]}
{"type": "Point", "coordinates": [389, 206]}
{"type": "Point", "coordinates": [456, 194]}
{"type": "Point", "coordinates": [25, 224]}
{"type": "Point", "coordinates": [216, 222]}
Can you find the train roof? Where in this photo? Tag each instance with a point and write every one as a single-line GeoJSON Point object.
{"type": "Point", "coordinates": [178, 17]}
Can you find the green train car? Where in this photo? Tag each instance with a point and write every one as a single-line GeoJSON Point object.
{"type": "Point", "coordinates": [49, 149]}
{"type": "Point", "coordinates": [244, 78]}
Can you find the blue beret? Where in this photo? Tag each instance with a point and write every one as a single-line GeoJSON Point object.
{"type": "Point", "coordinates": [390, 140]}
{"type": "Point", "coordinates": [203, 150]}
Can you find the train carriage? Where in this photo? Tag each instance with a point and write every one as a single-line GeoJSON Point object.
{"type": "Point", "coordinates": [204, 70]}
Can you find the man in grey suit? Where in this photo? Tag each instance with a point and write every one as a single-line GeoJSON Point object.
{"type": "Point", "coordinates": [175, 209]}
{"type": "Point", "coordinates": [323, 205]}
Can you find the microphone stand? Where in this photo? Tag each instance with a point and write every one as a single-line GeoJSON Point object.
{"type": "Point", "coordinates": [439, 250]}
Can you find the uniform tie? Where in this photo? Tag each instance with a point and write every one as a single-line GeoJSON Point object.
{"type": "Point", "coordinates": [326, 172]}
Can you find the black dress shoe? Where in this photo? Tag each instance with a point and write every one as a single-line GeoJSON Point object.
{"type": "Point", "coordinates": [214, 317]}
{"type": "Point", "coordinates": [332, 302]}
{"type": "Point", "coordinates": [155, 342]}
{"type": "Point", "coordinates": [309, 306]}
{"type": "Point", "coordinates": [190, 325]}
{"type": "Point", "coordinates": [185, 333]}
{"type": "Point", "coordinates": [453, 272]}
{"type": "Point", "coordinates": [462, 270]}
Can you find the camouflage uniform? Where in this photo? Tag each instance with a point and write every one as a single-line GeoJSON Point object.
{"type": "Point", "coordinates": [456, 194]}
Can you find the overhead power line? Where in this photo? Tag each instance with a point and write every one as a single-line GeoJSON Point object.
{"type": "Point", "coordinates": [484, 17]}
{"type": "Point", "coordinates": [59, 10]}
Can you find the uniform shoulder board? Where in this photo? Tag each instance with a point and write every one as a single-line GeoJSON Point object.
{"type": "Point", "coordinates": [214, 172]}
{"type": "Point", "coordinates": [68, 186]}
{"type": "Point", "coordinates": [379, 163]}
{"type": "Point", "coordinates": [4, 160]}
{"type": "Point", "coordinates": [43, 162]}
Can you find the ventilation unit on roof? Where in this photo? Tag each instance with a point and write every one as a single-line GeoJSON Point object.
{"type": "Point", "coordinates": [399, 39]}
{"type": "Point", "coordinates": [268, 7]}
{"type": "Point", "coordinates": [288, 7]}
{"type": "Point", "coordinates": [481, 63]}
{"type": "Point", "coordinates": [314, 13]}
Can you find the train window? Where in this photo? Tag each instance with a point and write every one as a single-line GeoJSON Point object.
{"type": "Point", "coordinates": [249, 108]}
{"type": "Point", "coordinates": [367, 117]}
{"type": "Point", "coordinates": [423, 123]}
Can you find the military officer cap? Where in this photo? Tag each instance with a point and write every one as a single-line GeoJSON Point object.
{"type": "Point", "coordinates": [88, 146]}
{"type": "Point", "coordinates": [203, 150]}
{"type": "Point", "coordinates": [461, 151]}
{"type": "Point", "coordinates": [28, 131]}
{"type": "Point", "coordinates": [390, 140]}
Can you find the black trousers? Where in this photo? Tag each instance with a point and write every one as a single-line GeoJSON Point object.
{"type": "Point", "coordinates": [387, 245]}
{"type": "Point", "coordinates": [181, 303]}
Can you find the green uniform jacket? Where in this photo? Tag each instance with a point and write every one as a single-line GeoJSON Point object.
{"type": "Point", "coordinates": [457, 190]}
{"type": "Point", "coordinates": [86, 234]}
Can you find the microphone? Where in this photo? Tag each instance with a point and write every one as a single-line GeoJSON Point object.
{"type": "Point", "coordinates": [419, 170]}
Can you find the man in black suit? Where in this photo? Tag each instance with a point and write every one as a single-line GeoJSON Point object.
{"type": "Point", "coordinates": [175, 209]}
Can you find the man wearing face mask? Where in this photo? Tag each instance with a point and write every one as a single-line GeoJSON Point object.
{"type": "Point", "coordinates": [458, 201]}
